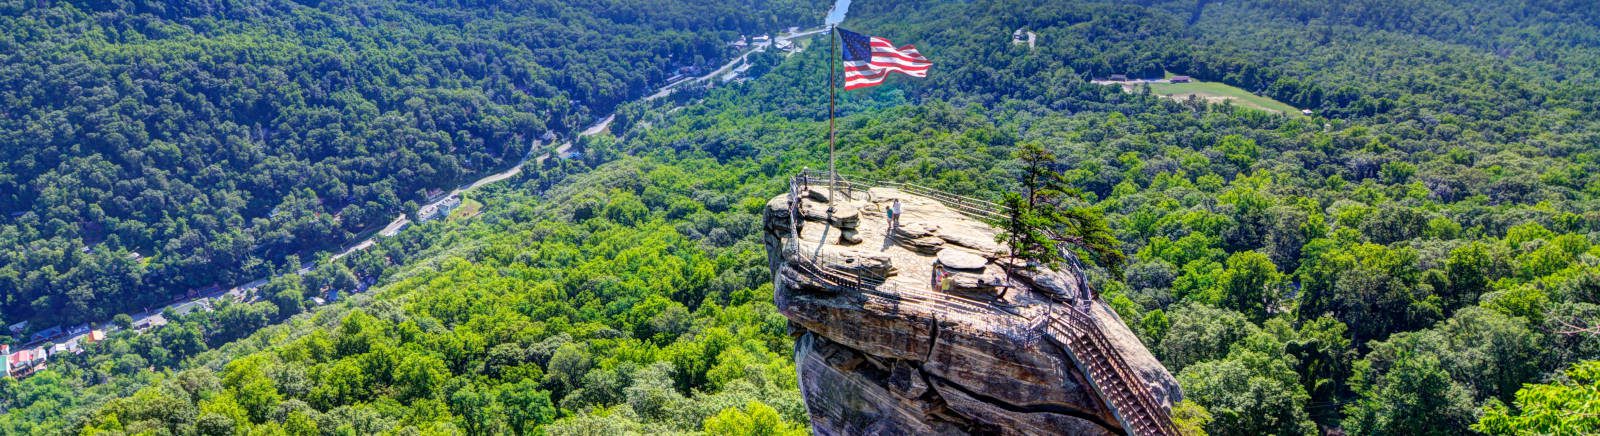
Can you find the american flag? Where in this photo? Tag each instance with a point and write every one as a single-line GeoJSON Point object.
{"type": "Point", "coordinates": [868, 60]}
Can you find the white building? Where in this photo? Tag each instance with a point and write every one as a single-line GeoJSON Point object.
{"type": "Point", "coordinates": [438, 209]}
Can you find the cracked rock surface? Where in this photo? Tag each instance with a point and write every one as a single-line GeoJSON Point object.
{"type": "Point", "coordinates": [905, 357]}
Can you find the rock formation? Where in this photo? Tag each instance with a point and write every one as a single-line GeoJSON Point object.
{"type": "Point", "coordinates": [883, 347]}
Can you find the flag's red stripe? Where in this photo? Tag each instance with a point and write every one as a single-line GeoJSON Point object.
{"type": "Point", "coordinates": [875, 78]}
{"type": "Point", "coordinates": [910, 55]}
{"type": "Point", "coordinates": [848, 79]}
{"type": "Point", "coordinates": [849, 86]}
{"type": "Point", "coordinates": [883, 46]}
{"type": "Point", "coordinates": [876, 67]}
{"type": "Point", "coordinates": [891, 54]}
{"type": "Point", "coordinates": [886, 58]}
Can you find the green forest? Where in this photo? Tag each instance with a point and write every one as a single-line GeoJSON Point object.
{"type": "Point", "coordinates": [151, 148]}
{"type": "Point", "coordinates": [1421, 256]}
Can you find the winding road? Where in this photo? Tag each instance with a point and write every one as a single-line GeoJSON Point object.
{"type": "Point", "coordinates": [400, 222]}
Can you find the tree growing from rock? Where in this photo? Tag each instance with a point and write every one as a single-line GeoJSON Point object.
{"type": "Point", "coordinates": [1049, 212]}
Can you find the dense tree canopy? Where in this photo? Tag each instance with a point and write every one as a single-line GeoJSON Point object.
{"type": "Point", "coordinates": [152, 148]}
{"type": "Point", "coordinates": [1420, 256]}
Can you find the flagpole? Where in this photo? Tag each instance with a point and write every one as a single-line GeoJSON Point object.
{"type": "Point", "coordinates": [833, 177]}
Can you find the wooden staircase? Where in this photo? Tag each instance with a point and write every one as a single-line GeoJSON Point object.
{"type": "Point", "coordinates": [1123, 391]}
{"type": "Point", "coordinates": [1075, 331]}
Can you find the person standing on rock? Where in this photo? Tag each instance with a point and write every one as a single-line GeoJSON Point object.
{"type": "Point", "coordinates": [888, 212]}
{"type": "Point", "coordinates": [894, 215]}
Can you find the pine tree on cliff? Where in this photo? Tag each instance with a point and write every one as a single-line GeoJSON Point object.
{"type": "Point", "coordinates": [1049, 213]}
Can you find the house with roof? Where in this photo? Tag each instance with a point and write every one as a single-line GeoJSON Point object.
{"type": "Point", "coordinates": [24, 362]}
{"type": "Point", "coordinates": [150, 322]}
{"type": "Point", "coordinates": [438, 209]}
{"type": "Point", "coordinates": [68, 347]}
{"type": "Point", "coordinates": [48, 333]}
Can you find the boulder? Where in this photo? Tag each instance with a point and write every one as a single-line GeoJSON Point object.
{"type": "Point", "coordinates": [776, 216]}
{"type": "Point", "coordinates": [982, 243]}
{"type": "Point", "coordinates": [915, 230]}
{"type": "Point", "coordinates": [844, 259]}
{"type": "Point", "coordinates": [927, 245]}
{"type": "Point", "coordinates": [818, 193]}
{"type": "Point", "coordinates": [887, 355]}
{"type": "Point", "coordinates": [1058, 286]}
{"type": "Point", "coordinates": [846, 216]}
{"type": "Point", "coordinates": [849, 237]}
{"type": "Point", "coordinates": [969, 282]}
{"type": "Point", "coordinates": [958, 259]}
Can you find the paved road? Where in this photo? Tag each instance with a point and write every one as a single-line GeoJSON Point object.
{"type": "Point", "coordinates": [673, 87]}
{"type": "Point", "coordinates": [243, 291]}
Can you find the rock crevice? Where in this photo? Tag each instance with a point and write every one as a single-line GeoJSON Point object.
{"type": "Point", "coordinates": [883, 346]}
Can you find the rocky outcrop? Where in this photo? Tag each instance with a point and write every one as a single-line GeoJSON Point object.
{"type": "Point", "coordinates": [887, 349]}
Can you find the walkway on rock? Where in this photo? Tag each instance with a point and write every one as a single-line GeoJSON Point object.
{"type": "Point", "coordinates": [1126, 394]}
{"type": "Point", "coordinates": [1075, 330]}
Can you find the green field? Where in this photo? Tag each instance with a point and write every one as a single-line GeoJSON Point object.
{"type": "Point", "coordinates": [469, 208]}
{"type": "Point", "coordinates": [1218, 92]}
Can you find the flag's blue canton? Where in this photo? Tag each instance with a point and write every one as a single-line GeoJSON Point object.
{"type": "Point", "coordinates": [857, 47]}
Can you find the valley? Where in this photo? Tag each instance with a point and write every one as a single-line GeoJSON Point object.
{"type": "Point", "coordinates": [608, 248]}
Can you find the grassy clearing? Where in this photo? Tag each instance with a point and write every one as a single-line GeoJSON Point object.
{"type": "Point", "coordinates": [1217, 92]}
{"type": "Point", "coordinates": [469, 208]}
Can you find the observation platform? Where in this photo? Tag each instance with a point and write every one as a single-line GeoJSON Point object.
{"type": "Point", "coordinates": [927, 326]}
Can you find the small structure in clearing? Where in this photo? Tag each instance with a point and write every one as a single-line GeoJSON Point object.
{"type": "Point", "coordinates": [1183, 88]}
{"type": "Point", "coordinates": [1024, 36]}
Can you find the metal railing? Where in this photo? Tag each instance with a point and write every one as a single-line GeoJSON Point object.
{"type": "Point", "coordinates": [1129, 398]}
{"type": "Point", "coordinates": [982, 210]}
{"type": "Point", "coordinates": [1127, 395]}
{"type": "Point", "coordinates": [865, 283]}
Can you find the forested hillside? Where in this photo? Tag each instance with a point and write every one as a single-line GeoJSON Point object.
{"type": "Point", "coordinates": [1420, 257]}
{"type": "Point", "coordinates": [148, 148]}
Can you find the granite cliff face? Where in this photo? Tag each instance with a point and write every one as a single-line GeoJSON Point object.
{"type": "Point", "coordinates": [882, 347]}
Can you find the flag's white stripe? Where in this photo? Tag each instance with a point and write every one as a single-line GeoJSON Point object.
{"type": "Point", "coordinates": [903, 54]}
{"type": "Point", "coordinates": [865, 73]}
{"type": "Point", "coordinates": [880, 61]}
{"type": "Point", "coordinates": [885, 58]}
{"type": "Point", "coordinates": [898, 55]}
{"type": "Point", "coordinates": [905, 70]}
{"type": "Point", "coordinates": [871, 79]}
{"type": "Point", "coordinates": [880, 45]}
{"type": "Point", "coordinates": [880, 66]}
{"type": "Point", "coordinates": [858, 83]}
{"type": "Point", "coordinates": [879, 75]}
